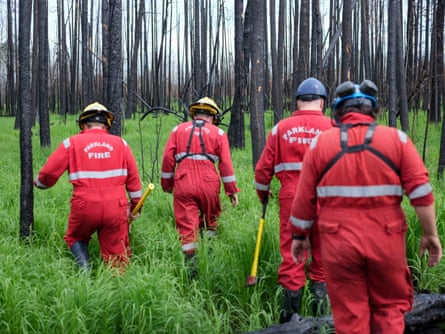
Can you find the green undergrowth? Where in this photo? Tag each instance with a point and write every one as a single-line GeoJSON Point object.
{"type": "Point", "coordinates": [42, 290]}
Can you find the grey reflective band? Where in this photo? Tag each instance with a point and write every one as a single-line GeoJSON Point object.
{"type": "Point", "coordinates": [97, 175]}
{"type": "Point", "coordinates": [261, 187]}
{"type": "Point", "coordinates": [421, 191]}
{"type": "Point", "coordinates": [227, 179]}
{"type": "Point", "coordinates": [360, 191]}
{"type": "Point", "coordinates": [166, 175]}
{"type": "Point", "coordinates": [300, 223]}
{"type": "Point", "coordinates": [190, 246]}
{"type": "Point", "coordinates": [135, 194]}
{"type": "Point", "coordinates": [288, 166]}
{"type": "Point", "coordinates": [195, 156]}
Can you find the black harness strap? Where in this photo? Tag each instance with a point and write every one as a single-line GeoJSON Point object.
{"type": "Point", "coordinates": [358, 148]}
{"type": "Point", "coordinates": [196, 124]}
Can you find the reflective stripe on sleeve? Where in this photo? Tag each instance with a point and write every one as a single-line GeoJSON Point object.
{"type": "Point", "coordinates": [166, 175]}
{"type": "Point", "coordinates": [97, 174]}
{"type": "Point", "coordinates": [135, 194]}
{"type": "Point", "coordinates": [360, 191]}
{"type": "Point", "coordinates": [300, 223]}
{"type": "Point", "coordinates": [228, 179]}
{"type": "Point", "coordinates": [262, 187]}
{"type": "Point", "coordinates": [288, 166]}
{"type": "Point", "coordinates": [421, 191]}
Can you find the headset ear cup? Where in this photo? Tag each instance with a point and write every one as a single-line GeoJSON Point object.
{"type": "Point", "coordinates": [368, 87]}
{"type": "Point", "coordinates": [344, 89]}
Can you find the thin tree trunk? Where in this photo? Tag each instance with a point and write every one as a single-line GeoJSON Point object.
{"type": "Point", "coordinates": [26, 187]}
{"type": "Point", "coordinates": [45, 137]}
{"type": "Point", "coordinates": [254, 19]}
{"type": "Point", "coordinates": [237, 124]}
{"type": "Point", "coordinates": [114, 102]}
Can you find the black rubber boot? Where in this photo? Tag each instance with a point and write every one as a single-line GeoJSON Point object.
{"type": "Point", "coordinates": [191, 262]}
{"type": "Point", "coordinates": [321, 299]}
{"type": "Point", "coordinates": [80, 253]}
{"type": "Point", "coordinates": [291, 304]}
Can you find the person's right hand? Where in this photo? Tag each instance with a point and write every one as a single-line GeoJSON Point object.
{"type": "Point", "coordinates": [234, 199]}
{"type": "Point", "coordinates": [300, 249]}
{"type": "Point", "coordinates": [434, 248]}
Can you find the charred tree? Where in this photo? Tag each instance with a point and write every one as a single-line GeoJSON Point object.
{"type": "Point", "coordinates": [236, 129]}
{"type": "Point", "coordinates": [114, 64]}
{"type": "Point", "coordinates": [26, 170]}
{"type": "Point", "coordinates": [132, 79]}
{"type": "Point", "coordinates": [277, 48]}
{"type": "Point", "coordinates": [45, 137]}
{"type": "Point", "coordinates": [346, 45]}
{"type": "Point", "coordinates": [10, 97]}
{"type": "Point", "coordinates": [392, 65]}
{"type": "Point", "coordinates": [256, 36]}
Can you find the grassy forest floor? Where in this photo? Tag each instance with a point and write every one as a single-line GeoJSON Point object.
{"type": "Point", "coordinates": [42, 290]}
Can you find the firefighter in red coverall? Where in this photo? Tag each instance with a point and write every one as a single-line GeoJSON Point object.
{"type": "Point", "coordinates": [102, 170]}
{"type": "Point", "coordinates": [282, 156]}
{"type": "Point", "coordinates": [189, 171]}
{"type": "Point", "coordinates": [358, 173]}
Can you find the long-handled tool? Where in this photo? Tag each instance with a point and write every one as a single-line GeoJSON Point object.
{"type": "Point", "coordinates": [138, 206]}
{"type": "Point", "coordinates": [252, 278]}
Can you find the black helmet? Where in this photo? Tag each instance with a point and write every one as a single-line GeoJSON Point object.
{"type": "Point", "coordinates": [96, 112]}
{"type": "Point", "coordinates": [311, 89]}
{"type": "Point", "coordinates": [349, 94]}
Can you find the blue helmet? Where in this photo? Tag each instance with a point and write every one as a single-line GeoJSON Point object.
{"type": "Point", "coordinates": [349, 94]}
{"type": "Point", "coordinates": [311, 89]}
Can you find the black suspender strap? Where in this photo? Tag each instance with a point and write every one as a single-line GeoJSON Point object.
{"type": "Point", "coordinates": [358, 148]}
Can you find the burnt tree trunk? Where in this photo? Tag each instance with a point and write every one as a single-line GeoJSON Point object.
{"type": "Point", "coordinates": [114, 66]}
{"type": "Point", "coordinates": [254, 18]}
{"type": "Point", "coordinates": [26, 187]}
{"type": "Point", "coordinates": [45, 137]}
{"type": "Point", "coordinates": [236, 128]}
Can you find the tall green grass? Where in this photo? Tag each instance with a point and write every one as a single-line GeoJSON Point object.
{"type": "Point", "coordinates": [42, 290]}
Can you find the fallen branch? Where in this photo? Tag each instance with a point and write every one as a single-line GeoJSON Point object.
{"type": "Point", "coordinates": [427, 315]}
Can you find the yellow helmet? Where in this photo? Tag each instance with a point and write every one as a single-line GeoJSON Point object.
{"type": "Point", "coordinates": [96, 112]}
{"type": "Point", "coordinates": [207, 106]}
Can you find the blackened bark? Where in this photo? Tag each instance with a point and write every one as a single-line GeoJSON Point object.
{"type": "Point", "coordinates": [254, 17]}
{"type": "Point", "coordinates": [10, 76]}
{"type": "Point", "coordinates": [45, 138]}
{"type": "Point", "coordinates": [236, 128]}
{"type": "Point", "coordinates": [400, 70]}
{"type": "Point", "coordinates": [132, 80]}
{"type": "Point", "coordinates": [26, 187]}
{"type": "Point", "coordinates": [392, 66]}
{"type": "Point", "coordinates": [114, 102]}
{"type": "Point", "coordinates": [346, 55]}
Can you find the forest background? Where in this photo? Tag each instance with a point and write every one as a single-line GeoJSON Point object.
{"type": "Point", "coordinates": [249, 57]}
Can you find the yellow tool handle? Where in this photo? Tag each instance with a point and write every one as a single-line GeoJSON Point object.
{"type": "Point", "coordinates": [147, 192]}
{"type": "Point", "coordinates": [256, 256]}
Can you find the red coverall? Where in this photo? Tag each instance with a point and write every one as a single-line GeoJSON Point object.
{"type": "Point", "coordinates": [361, 222]}
{"type": "Point", "coordinates": [101, 169]}
{"type": "Point", "coordinates": [283, 156]}
{"type": "Point", "coordinates": [194, 178]}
